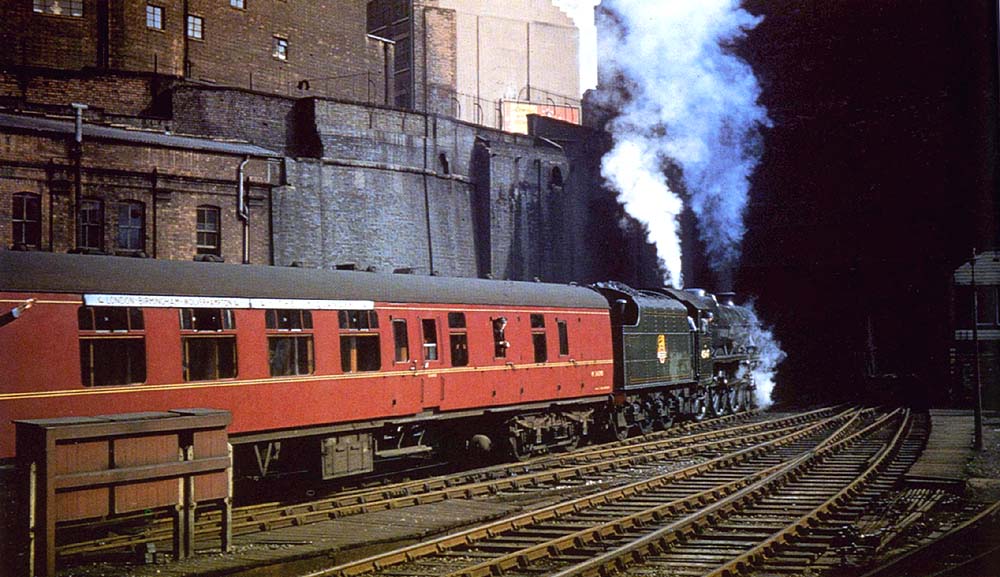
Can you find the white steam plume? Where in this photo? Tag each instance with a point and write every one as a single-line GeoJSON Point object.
{"type": "Point", "coordinates": [769, 354]}
{"type": "Point", "coordinates": [682, 98]}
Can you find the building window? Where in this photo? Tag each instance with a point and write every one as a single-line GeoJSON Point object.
{"type": "Point", "coordinates": [209, 353]}
{"type": "Point", "coordinates": [401, 340]}
{"type": "Point", "coordinates": [563, 337]}
{"type": "Point", "coordinates": [209, 225]}
{"type": "Point", "coordinates": [195, 27]}
{"type": "Point", "coordinates": [430, 339]}
{"type": "Point", "coordinates": [279, 48]}
{"type": "Point", "coordinates": [538, 338]}
{"type": "Point", "coordinates": [154, 17]}
{"type": "Point", "coordinates": [112, 346]}
{"type": "Point", "coordinates": [289, 355]}
{"type": "Point", "coordinates": [91, 224]}
{"type": "Point", "coordinates": [359, 352]}
{"type": "Point", "coordinates": [241, 4]}
{"type": "Point", "coordinates": [59, 7]}
{"type": "Point", "coordinates": [131, 226]}
{"type": "Point", "coordinates": [987, 311]}
{"type": "Point", "coordinates": [26, 220]}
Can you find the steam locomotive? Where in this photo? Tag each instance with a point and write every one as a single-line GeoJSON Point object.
{"type": "Point", "coordinates": [337, 372]}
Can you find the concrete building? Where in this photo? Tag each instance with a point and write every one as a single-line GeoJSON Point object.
{"type": "Point", "coordinates": [489, 63]}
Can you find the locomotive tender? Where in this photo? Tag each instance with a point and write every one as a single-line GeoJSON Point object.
{"type": "Point", "coordinates": [334, 371]}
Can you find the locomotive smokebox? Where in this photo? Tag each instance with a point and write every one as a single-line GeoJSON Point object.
{"type": "Point", "coordinates": [727, 298]}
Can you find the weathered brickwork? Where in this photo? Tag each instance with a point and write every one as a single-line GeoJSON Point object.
{"type": "Point", "coordinates": [324, 47]}
{"type": "Point", "coordinates": [117, 93]}
{"type": "Point", "coordinates": [170, 183]}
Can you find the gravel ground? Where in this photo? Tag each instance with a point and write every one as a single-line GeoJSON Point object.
{"type": "Point", "coordinates": [984, 486]}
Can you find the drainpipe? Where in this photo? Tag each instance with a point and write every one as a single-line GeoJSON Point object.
{"type": "Point", "coordinates": [77, 153]}
{"type": "Point", "coordinates": [242, 210]}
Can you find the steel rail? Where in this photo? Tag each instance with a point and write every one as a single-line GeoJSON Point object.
{"type": "Point", "coordinates": [266, 517]}
{"type": "Point", "coordinates": [633, 552]}
{"type": "Point", "coordinates": [557, 511]}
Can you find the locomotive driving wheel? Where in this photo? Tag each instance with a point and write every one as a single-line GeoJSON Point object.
{"type": "Point", "coordinates": [735, 400]}
{"type": "Point", "coordinates": [699, 409]}
{"type": "Point", "coordinates": [717, 402]}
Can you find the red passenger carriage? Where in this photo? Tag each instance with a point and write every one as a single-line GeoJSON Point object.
{"type": "Point", "coordinates": [328, 371]}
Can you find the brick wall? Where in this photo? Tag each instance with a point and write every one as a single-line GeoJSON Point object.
{"type": "Point", "coordinates": [117, 93]}
{"type": "Point", "coordinates": [170, 183]}
{"type": "Point", "coordinates": [327, 44]}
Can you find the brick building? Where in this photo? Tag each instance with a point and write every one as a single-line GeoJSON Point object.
{"type": "Point", "coordinates": [353, 180]}
{"type": "Point", "coordinates": [482, 62]}
{"type": "Point", "coordinates": [136, 193]}
{"type": "Point", "coordinates": [287, 47]}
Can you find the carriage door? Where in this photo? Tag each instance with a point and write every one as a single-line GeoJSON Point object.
{"type": "Point", "coordinates": [432, 386]}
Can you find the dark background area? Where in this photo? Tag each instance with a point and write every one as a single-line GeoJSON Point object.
{"type": "Point", "coordinates": [877, 180]}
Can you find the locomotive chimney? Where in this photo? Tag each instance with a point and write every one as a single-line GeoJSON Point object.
{"type": "Point", "coordinates": [727, 298]}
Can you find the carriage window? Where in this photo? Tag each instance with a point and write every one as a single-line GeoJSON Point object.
{"type": "Point", "coordinates": [538, 338]}
{"type": "Point", "coordinates": [288, 320]}
{"type": "Point", "coordinates": [430, 339]}
{"type": "Point", "coordinates": [563, 337]}
{"type": "Point", "coordinates": [360, 353]}
{"type": "Point", "coordinates": [358, 320]}
{"type": "Point", "coordinates": [209, 358]}
{"type": "Point", "coordinates": [207, 320]}
{"type": "Point", "coordinates": [402, 341]}
{"type": "Point", "coordinates": [500, 344]}
{"type": "Point", "coordinates": [110, 319]}
{"type": "Point", "coordinates": [458, 340]}
{"type": "Point", "coordinates": [111, 360]}
{"type": "Point", "coordinates": [289, 355]}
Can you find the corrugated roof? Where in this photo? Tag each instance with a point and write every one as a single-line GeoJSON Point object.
{"type": "Point", "coordinates": [67, 273]}
{"type": "Point", "coordinates": [95, 131]}
{"type": "Point", "coordinates": [987, 269]}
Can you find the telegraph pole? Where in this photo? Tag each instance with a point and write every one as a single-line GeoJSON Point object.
{"type": "Point", "coordinates": [978, 407]}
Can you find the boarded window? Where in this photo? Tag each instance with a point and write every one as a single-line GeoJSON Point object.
{"type": "Point", "coordinates": [402, 341]}
{"type": "Point", "coordinates": [563, 337]}
{"type": "Point", "coordinates": [360, 353]}
{"type": "Point", "coordinates": [290, 355]}
{"type": "Point", "coordinates": [430, 339]}
{"type": "Point", "coordinates": [209, 358]}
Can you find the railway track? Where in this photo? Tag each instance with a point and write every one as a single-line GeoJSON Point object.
{"type": "Point", "coordinates": [591, 465]}
{"type": "Point", "coordinates": [730, 512]}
